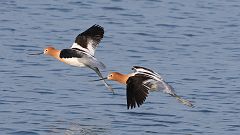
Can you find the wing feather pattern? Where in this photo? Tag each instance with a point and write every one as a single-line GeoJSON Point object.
{"type": "Point", "coordinates": [89, 39]}
{"type": "Point", "coordinates": [136, 91]}
{"type": "Point", "coordinates": [156, 82]}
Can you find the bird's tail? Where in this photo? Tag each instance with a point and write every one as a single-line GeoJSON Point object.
{"type": "Point", "coordinates": [104, 81]}
{"type": "Point", "coordinates": [183, 101]}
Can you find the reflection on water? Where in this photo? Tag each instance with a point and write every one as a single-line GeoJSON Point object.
{"type": "Point", "coordinates": [193, 44]}
{"type": "Point", "coordinates": [77, 129]}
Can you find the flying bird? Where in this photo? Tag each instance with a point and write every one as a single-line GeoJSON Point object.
{"type": "Point", "coordinates": [140, 83]}
{"type": "Point", "coordinates": [81, 53]}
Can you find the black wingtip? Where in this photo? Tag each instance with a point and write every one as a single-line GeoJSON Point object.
{"type": "Point", "coordinates": [99, 27]}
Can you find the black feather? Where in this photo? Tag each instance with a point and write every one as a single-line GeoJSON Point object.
{"type": "Point", "coordinates": [136, 91]}
{"type": "Point", "coordinates": [71, 53]}
{"type": "Point", "coordinates": [93, 34]}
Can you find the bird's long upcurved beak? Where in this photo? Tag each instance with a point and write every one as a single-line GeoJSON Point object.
{"type": "Point", "coordinates": [105, 78]}
{"type": "Point", "coordinates": [36, 53]}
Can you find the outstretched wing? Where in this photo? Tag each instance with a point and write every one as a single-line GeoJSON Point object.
{"type": "Point", "coordinates": [89, 39]}
{"type": "Point", "coordinates": [156, 82]}
{"type": "Point", "coordinates": [136, 91]}
{"type": "Point", "coordinates": [146, 71]}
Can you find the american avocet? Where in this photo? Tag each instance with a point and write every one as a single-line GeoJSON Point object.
{"type": "Point", "coordinates": [81, 54]}
{"type": "Point", "coordinates": [140, 82]}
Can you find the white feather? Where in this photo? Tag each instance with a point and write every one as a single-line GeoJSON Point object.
{"type": "Point", "coordinates": [90, 50]}
{"type": "Point", "coordinates": [150, 73]}
{"type": "Point", "coordinates": [74, 62]}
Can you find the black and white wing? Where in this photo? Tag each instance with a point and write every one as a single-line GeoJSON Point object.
{"type": "Point", "coordinates": [136, 91]}
{"type": "Point", "coordinates": [89, 39]}
{"type": "Point", "coordinates": [156, 82]}
{"type": "Point", "coordinates": [149, 72]}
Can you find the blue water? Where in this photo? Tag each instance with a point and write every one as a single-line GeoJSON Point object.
{"type": "Point", "coordinates": [194, 45]}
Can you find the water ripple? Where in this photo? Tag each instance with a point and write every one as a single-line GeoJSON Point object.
{"type": "Point", "coordinates": [24, 133]}
{"type": "Point", "coordinates": [193, 44]}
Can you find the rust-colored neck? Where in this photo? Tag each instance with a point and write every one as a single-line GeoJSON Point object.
{"type": "Point", "coordinates": [54, 53]}
{"type": "Point", "coordinates": [121, 78]}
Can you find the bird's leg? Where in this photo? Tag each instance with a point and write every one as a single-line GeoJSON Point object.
{"type": "Point", "coordinates": [183, 101]}
{"type": "Point", "coordinates": [103, 80]}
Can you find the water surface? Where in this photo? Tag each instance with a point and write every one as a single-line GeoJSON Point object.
{"type": "Point", "coordinates": [194, 45]}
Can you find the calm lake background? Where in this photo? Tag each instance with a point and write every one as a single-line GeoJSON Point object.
{"type": "Point", "coordinates": [194, 45]}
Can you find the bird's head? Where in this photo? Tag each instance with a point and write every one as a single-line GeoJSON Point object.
{"type": "Point", "coordinates": [116, 76]}
{"type": "Point", "coordinates": [113, 76]}
{"type": "Point", "coordinates": [48, 50]}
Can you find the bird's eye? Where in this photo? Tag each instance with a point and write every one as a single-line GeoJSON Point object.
{"type": "Point", "coordinates": [111, 75]}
